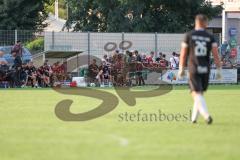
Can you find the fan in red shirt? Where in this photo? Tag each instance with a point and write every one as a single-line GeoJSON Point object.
{"type": "Point", "coordinates": [119, 68]}
{"type": "Point", "coordinates": [56, 68]}
{"type": "Point", "coordinates": [150, 58]}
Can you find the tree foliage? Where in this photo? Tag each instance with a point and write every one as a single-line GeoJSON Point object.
{"type": "Point", "coordinates": [137, 15]}
{"type": "Point", "coordinates": [23, 14]}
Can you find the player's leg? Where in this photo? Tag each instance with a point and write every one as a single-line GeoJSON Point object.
{"type": "Point", "coordinates": [193, 84]}
{"type": "Point", "coordinates": [200, 104]}
{"type": "Point", "coordinates": [199, 84]}
{"type": "Point", "coordinates": [205, 82]}
{"type": "Point", "coordinates": [195, 112]}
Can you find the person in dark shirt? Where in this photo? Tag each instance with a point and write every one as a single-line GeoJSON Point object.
{"type": "Point", "coordinates": [46, 73]}
{"type": "Point", "coordinates": [104, 75]}
{"type": "Point", "coordinates": [17, 63]}
{"type": "Point", "coordinates": [93, 71]}
{"type": "Point", "coordinates": [138, 57]}
{"type": "Point", "coordinates": [196, 47]}
{"type": "Point", "coordinates": [106, 71]}
{"type": "Point", "coordinates": [18, 49]}
{"type": "Point", "coordinates": [17, 66]}
{"type": "Point", "coordinates": [139, 70]}
{"type": "Point", "coordinates": [160, 57]}
{"type": "Point", "coordinates": [32, 74]}
{"type": "Point", "coordinates": [24, 75]}
{"type": "Point", "coordinates": [131, 68]}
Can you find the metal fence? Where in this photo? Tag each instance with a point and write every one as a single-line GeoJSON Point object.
{"type": "Point", "coordinates": [10, 37]}
{"type": "Point", "coordinates": [98, 44]}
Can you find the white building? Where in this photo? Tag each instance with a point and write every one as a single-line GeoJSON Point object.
{"type": "Point", "coordinates": [55, 23]}
{"type": "Point", "coordinates": [230, 19]}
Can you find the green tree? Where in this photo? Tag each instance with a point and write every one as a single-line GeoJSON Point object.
{"type": "Point", "coordinates": [97, 15]}
{"type": "Point", "coordinates": [23, 14]}
{"type": "Point", "coordinates": [137, 15]}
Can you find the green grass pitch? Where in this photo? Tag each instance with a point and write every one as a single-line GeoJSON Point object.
{"type": "Point", "coordinates": [30, 130]}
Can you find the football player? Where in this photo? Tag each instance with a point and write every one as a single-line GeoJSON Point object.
{"type": "Point", "coordinates": [196, 48]}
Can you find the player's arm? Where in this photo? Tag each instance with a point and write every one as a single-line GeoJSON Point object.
{"type": "Point", "coordinates": [183, 57]}
{"type": "Point", "coordinates": [217, 61]}
{"type": "Point", "coordinates": [182, 63]}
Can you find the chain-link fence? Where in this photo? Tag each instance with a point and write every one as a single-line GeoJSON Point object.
{"type": "Point", "coordinates": [98, 44]}
{"type": "Point", "coordinates": [31, 39]}
{"type": "Point", "coordinates": [94, 44]}
{"type": "Point", "coordinates": [7, 37]}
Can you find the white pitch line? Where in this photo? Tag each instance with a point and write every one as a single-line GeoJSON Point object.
{"type": "Point", "coordinates": [122, 141]}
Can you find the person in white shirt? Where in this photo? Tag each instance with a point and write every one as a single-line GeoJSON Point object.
{"type": "Point", "coordinates": [174, 61]}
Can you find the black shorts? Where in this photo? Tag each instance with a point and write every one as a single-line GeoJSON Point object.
{"type": "Point", "coordinates": [106, 76]}
{"type": "Point", "coordinates": [139, 73]}
{"type": "Point", "coordinates": [198, 82]}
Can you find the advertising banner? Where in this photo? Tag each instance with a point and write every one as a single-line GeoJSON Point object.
{"type": "Point", "coordinates": [80, 81]}
{"type": "Point", "coordinates": [228, 76]}
{"type": "Point", "coordinates": [171, 76]}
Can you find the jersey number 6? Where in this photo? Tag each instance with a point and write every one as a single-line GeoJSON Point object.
{"type": "Point", "coordinates": [200, 48]}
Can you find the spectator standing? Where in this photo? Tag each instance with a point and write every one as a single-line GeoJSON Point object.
{"type": "Point", "coordinates": [150, 58]}
{"type": "Point", "coordinates": [174, 61]}
{"type": "Point", "coordinates": [160, 57]}
{"type": "Point", "coordinates": [138, 57]}
{"type": "Point", "coordinates": [139, 70]}
{"type": "Point", "coordinates": [18, 49]}
{"type": "Point", "coordinates": [17, 66]}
